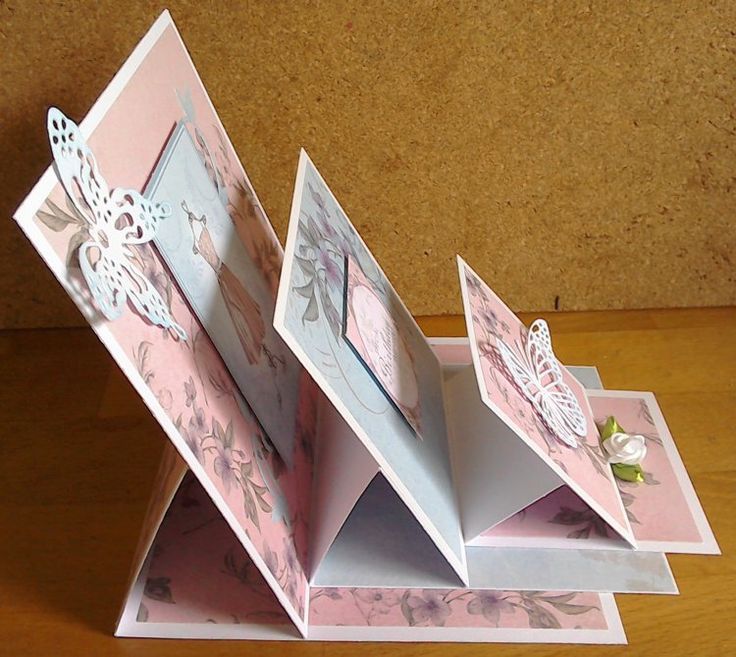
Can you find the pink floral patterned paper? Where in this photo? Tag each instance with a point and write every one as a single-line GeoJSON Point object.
{"type": "Point", "coordinates": [658, 508]}
{"type": "Point", "coordinates": [664, 511]}
{"type": "Point", "coordinates": [584, 468]}
{"type": "Point", "coordinates": [185, 383]}
{"type": "Point", "coordinates": [171, 471]}
{"type": "Point", "coordinates": [199, 573]}
{"type": "Point", "coordinates": [455, 608]}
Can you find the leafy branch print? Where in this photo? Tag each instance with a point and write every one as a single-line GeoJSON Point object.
{"type": "Point", "coordinates": [585, 520]}
{"type": "Point", "coordinates": [454, 607]}
{"type": "Point", "coordinates": [322, 264]}
{"type": "Point", "coordinates": [141, 356]}
{"type": "Point", "coordinates": [238, 565]}
{"type": "Point", "coordinates": [158, 588]}
{"type": "Point", "coordinates": [58, 220]}
{"type": "Point", "coordinates": [285, 570]}
{"type": "Point", "coordinates": [433, 607]}
{"type": "Point", "coordinates": [541, 616]}
{"type": "Point", "coordinates": [628, 499]}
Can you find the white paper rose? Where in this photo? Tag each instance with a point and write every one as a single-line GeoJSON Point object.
{"type": "Point", "coordinates": [625, 448]}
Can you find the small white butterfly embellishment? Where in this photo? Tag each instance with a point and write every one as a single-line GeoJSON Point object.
{"type": "Point", "coordinates": [117, 221]}
{"type": "Point", "coordinates": [537, 373]}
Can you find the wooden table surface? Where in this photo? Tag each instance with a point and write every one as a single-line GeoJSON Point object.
{"type": "Point", "coordinates": [79, 451]}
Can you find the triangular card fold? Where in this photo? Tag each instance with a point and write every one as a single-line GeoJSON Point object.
{"type": "Point", "coordinates": [197, 572]}
{"type": "Point", "coordinates": [343, 470]}
{"type": "Point", "coordinates": [496, 474]}
{"type": "Point", "coordinates": [562, 431]}
{"type": "Point", "coordinates": [340, 316]}
{"type": "Point", "coordinates": [382, 545]}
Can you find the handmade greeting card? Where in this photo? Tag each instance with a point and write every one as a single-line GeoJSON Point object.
{"type": "Point", "coordinates": [147, 219]}
{"type": "Point", "coordinates": [330, 472]}
{"type": "Point", "coordinates": [534, 398]}
{"type": "Point", "coordinates": [427, 458]}
{"type": "Point", "coordinates": [662, 507]}
{"type": "Point", "coordinates": [339, 314]}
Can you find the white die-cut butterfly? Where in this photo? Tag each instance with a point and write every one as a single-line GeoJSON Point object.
{"type": "Point", "coordinates": [116, 221]}
{"type": "Point", "coordinates": [537, 372]}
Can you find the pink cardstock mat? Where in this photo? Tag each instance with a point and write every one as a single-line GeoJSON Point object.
{"type": "Point", "coordinates": [584, 469]}
{"type": "Point", "coordinates": [185, 383]}
{"type": "Point", "coordinates": [664, 511]}
{"type": "Point", "coordinates": [199, 581]}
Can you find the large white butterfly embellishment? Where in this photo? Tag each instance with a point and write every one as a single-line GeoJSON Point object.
{"type": "Point", "coordinates": [116, 222]}
{"type": "Point", "coordinates": [536, 371]}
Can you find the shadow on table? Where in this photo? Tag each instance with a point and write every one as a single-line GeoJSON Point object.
{"type": "Point", "coordinates": [79, 454]}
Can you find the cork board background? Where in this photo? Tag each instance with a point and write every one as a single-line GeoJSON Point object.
{"type": "Point", "coordinates": [579, 155]}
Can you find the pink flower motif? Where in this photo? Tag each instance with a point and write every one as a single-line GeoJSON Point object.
{"type": "Point", "coordinates": [271, 559]}
{"type": "Point", "coordinates": [345, 244]}
{"type": "Point", "coordinates": [198, 422]}
{"type": "Point", "coordinates": [225, 466]}
{"type": "Point", "coordinates": [490, 321]}
{"type": "Point", "coordinates": [194, 445]}
{"type": "Point", "coordinates": [190, 391]}
{"type": "Point", "coordinates": [379, 600]}
{"type": "Point", "coordinates": [474, 285]}
{"type": "Point", "coordinates": [491, 604]}
{"type": "Point", "coordinates": [325, 262]}
{"type": "Point", "coordinates": [165, 398]}
{"type": "Point", "coordinates": [523, 412]}
{"type": "Point", "coordinates": [431, 608]}
{"type": "Point", "coordinates": [291, 561]}
{"type": "Point", "coordinates": [324, 226]}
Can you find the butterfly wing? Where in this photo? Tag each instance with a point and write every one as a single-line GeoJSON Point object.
{"type": "Point", "coordinates": [77, 169]}
{"type": "Point", "coordinates": [105, 278]}
{"type": "Point", "coordinates": [147, 300]}
{"type": "Point", "coordinates": [116, 221]}
{"type": "Point", "coordinates": [555, 401]}
{"type": "Point", "coordinates": [562, 412]}
{"type": "Point", "coordinates": [135, 218]}
{"type": "Point", "coordinates": [519, 369]}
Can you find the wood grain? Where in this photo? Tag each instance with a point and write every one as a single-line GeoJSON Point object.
{"type": "Point", "coordinates": [79, 452]}
{"type": "Point", "coordinates": [578, 154]}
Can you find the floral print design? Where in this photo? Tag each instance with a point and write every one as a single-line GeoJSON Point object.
{"type": "Point", "coordinates": [199, 574]}
{"type": "Point", "coordinates": [321, 257]}
{"type": "Point", "coordinates": [584, 468]}
{"type": "Point", "coordinates": [584, 520]}
{"type": "Point", "coordinates": [249, 469]}
{"type": "Point", "coordinates": [451, 608]}
{"type": "Point", "coordinates": [489, 329]}
{"type": "Point", "coordinates": [213, 442]}
{"type": "Point", "coordinates": [187, 380]}
{"type": "Point", "coordinates": [325, 240]}
{"type": "Point", "coordinates": [191, 524]}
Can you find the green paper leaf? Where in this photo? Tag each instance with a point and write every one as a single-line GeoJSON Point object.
{"type": "Point", "coordinates": [609, 428]}
{"type": "Point", "coordinates": [632, 473]}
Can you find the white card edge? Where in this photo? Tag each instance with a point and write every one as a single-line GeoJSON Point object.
{"type": "Point", "coordinates": [613, 634]}
{"type": "Point", "coordinates": [459, 565]}
{"type": "Point", "coordinates": [624, 531]}
{"type": "Point", "coordinates": [709, 544]}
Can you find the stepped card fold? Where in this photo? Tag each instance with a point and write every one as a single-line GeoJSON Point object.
{"type": "Point", "coordinates": [330, 473]}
